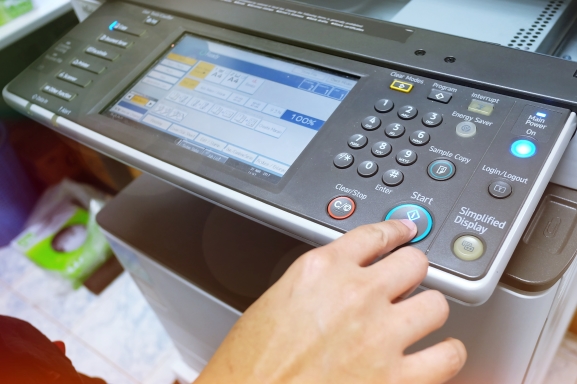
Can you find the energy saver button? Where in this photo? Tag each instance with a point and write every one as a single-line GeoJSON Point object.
{"type": "Point", "coordinates": [468, 248]}
{"type": "Point", "coordinates": [466, 129]}
{"type": "Point", "coordinates": [417, 214]}
{"type": "Point", "coordinates": [341, 207]}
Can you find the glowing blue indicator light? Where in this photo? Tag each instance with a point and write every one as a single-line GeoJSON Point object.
{"type": "Point", "coordinates": [523, 149]}
{"type": "Point", "coordinates": [541, 114]}
{"type": "Point", "coordinates": [111, 26]}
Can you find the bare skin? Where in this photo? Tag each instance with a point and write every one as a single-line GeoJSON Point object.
{"type": "Point", "coordinates": [334, 317]}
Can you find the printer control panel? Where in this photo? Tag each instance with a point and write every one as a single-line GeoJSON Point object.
{"type": "Point", "coordinates": [331, 141]}
{"type": "Point", "coordinates": [457, 161]}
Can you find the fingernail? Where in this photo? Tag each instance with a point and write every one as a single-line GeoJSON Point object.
{"type": "Point", "coordinates": [409, 224]}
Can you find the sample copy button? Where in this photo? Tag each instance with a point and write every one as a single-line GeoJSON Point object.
{"type": "Point", "coordinates": [417, 214]}
{"type": "Point", "coordinates": [538, 123]}
{"type": "Point", "coordinates": [441, 170]}
{"type": "Point", "coordinates": [341, 207]}
{"type": "Point", "coordinates": [468, 248]}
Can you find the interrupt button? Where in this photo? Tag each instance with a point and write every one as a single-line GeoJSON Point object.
{"type": "Point", "coordinates": [468, 248]}
{"type": "Point", "coordinates": [341, 207]}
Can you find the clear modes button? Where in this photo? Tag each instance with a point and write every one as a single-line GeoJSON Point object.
{"type": "Point", "coordinates": [468, 248]}
{"type": "Point", "coordinates": [341, 207]}
{"type": "Point", "coordinates": [417, 214]}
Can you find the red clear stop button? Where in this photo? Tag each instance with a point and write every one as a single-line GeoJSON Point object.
{"type": "Point", "coordinates": [341, 207]}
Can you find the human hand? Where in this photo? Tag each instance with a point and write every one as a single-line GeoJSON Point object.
{"type": "Point", "coordinates": [334, 317]}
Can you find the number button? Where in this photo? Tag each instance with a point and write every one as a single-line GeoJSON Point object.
{"type": "Point", "coordinates": [384, 106]}
{"type": "Point", "coordinates": [368, 168]}
{"type": "Point", "coordinates": [393, 177]}
{"type": "Point", "coordinates": [406, 157]}
{"type": "Point", "coordinates": [370, 123]}
{"type": "Point", "coordinates": [432, 119]}
{"type": "Point", "coordinates": [381, 149]}
{"type": "Point", "coordinates": [419, 138]}
{"type": "Point", "coordinates": [407, 112]}
{"type": "Point", "coordinates": [394, 130]}
{"type": "Point", "coordinates": [343, 160]}
{"type": "Point", "coordinates": [358, 141]}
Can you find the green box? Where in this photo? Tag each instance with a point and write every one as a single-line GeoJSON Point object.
{"type": "Point", "coordinates": [11, 9]}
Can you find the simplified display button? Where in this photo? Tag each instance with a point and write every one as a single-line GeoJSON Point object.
{"type": "Point", "coordinates": [417, 214]}
{"type": "Point", "coordinates": [60, 93]}
{"type": "Point", "coordinates": [440, 96]}
{"type": "Point", "coordinates": [393, 177]}
{"type": "Point", "coordinates": [381, 149]}
{"type": "Point", "coordinates": [441, 170]}
{"type": "Point", "coordinates": [368, 168]}
{"type": "Point", "coordinates": [384, 106]}
{"type": "Point", "coordinates": [394, 130]}
{"type": "Point", "coordinates": [468, 248]}
{"type": "Point", "coordinates": [481, 107]}
{"type": "Point", "coordinates": [419, 138]}
{"type": "Point", "coordinates": [500, 189]}
{"type": "Point", "coordinates": [523, 149]}
{"type": "Point", "coordinates": [73, 79]}
{"type": "Point", "coordinates": [102, 53]}
{"type": "Point", "coordinates": [406, 157]}
{"type": "Point", "coordinates": [466, 129]}
{"type": "Point", "coordinates": [432, 119]}
{"type": "Point", "coordinates": [401, 86]}
{"type": "Point", "coordinates": [343, 160]}
{"type": "Point", "coordinates": [407, 112]}
{"type": "Point", "coordinates": [358, 141]}
{"type": "Point", "coordinates": [341, 207]}
{"type": "Point", "coordinates": [370, 123]}
{"type": "Point", "coordinates": [88, 66]}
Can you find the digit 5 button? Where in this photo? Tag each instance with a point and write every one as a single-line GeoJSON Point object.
{"type": "Point", "coordinates": [341, 207]}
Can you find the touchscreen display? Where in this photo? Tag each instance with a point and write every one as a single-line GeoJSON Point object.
{"type": "Point", "coordinates": [249, 111]}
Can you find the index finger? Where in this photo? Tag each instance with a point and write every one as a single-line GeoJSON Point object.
{"type": "Point", "coordinates": [364, 244]}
